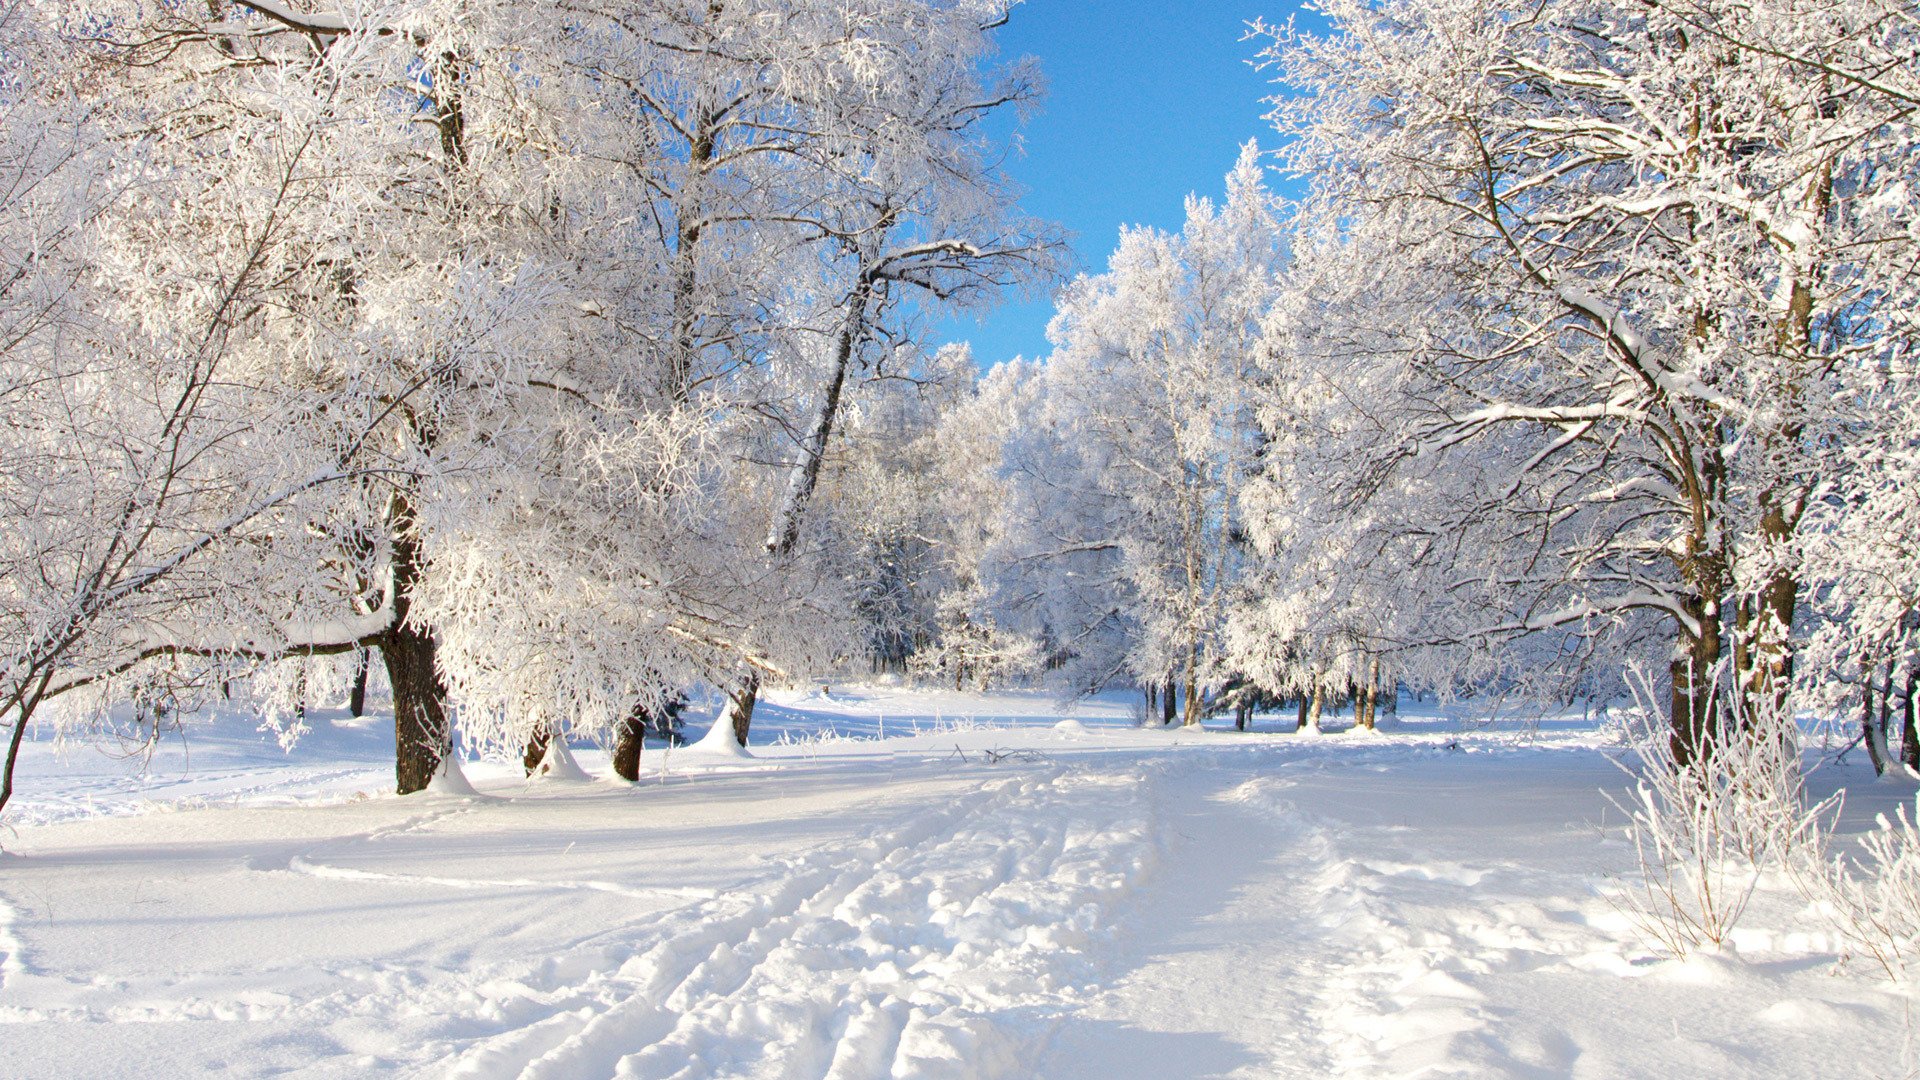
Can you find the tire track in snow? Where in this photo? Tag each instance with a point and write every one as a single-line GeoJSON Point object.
{"type": "Point", "coordinates": [938, 947]}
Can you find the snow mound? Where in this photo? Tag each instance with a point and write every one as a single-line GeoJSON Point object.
{"type": "Point", "coordinates": [451, 780]}
{"type": "Point", "coordinates": [1071, 727]}
{"type": "Point", "coordinates": [719, 741]}
{"type": "Point", "coordinates": [560, 766]}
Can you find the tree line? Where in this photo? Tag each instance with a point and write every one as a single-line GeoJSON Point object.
{"type": "Point", "coordinates": [1581, 352]}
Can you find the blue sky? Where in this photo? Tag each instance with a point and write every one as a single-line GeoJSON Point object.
{"type": "Point", "coordinates": [1147, 102]}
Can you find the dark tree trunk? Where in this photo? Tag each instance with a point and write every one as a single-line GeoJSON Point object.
{"type": "Point", "coordinates": [357, 697]}
{"type": "Point", "coordinates": [1301, 723]}
{"type": "Point", "coordinates": [1169, 702]}
{"type": "Point", "coordinates": [628, 743]}
{"type": "Point", "coordinates": [422, 737]}
{"type": "Point", "coordinates": [785, 534]}
{"type": "Point", "coordinates": [1692, 714]}
{"type": "Point", "coordinates": [537, 746]}
{"type": "Point", "coordinates": [23, 706]}
{"type": "Point", "coordinates": [743, 701]}
{"type": "Point", "coordinates": [1909, 737]}
{"type": "Point", "coordinates": [1886, 703]}
{"type": "Point", "coordinates": [1369, 697]}
{"type": "Point", "coordinates": [1868, 733]}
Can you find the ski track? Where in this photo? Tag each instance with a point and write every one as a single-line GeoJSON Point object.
{"type": "Point", "coordinates": [931, 949]}
{"type": "Point", "coordinates": [944, 945]}
{"type": "Point", "coordinates": [1391, 959]}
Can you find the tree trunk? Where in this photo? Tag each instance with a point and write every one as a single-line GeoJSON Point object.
{"type": "Point", "coordinates": [1767, 627]}
{"type": "Point", "coordinates": [1319, 703]}
{"type": "Point", "coordinates": [1195, 706]}
{"type": "Point", "coordinates": [784, 536]}
{"type": "Point", "coordinates": [627, 745]}
{"type": "Point", "coordinates": [1909, 737]}
{"type": "Point", "coordinates": [1692, 714]}
{"type": "Point", "coordinates": [537, 744]}
{"type": "Point", "coordinates": [23, 706]}
{"type": "Point", "coordinates": [743, 701]}
{"type": "Point", "coordinates": [421, 734]}
{"type": "Point", "coordinates": [1886, 702]}
{"type": "Point", "coordinates": [689, 210]}
{"type": "Point", "coordinates": [1301, 723]}
{"type": "Point", "coordinates": [1869, 732]}
{"type": "Point", "coordinates": [1371, 695]}
{"type": "Point", "coordinates": [1169, 702]}
{"type": "Point", "coordinates": [357, 697]}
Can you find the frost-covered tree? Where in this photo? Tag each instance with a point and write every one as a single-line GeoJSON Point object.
{"type": "Point", "coordinates": [167, 447]}
{"type": "Point", "coordinates": [1648, 243]}
{"type": "Point", "coordinates": [555, 299]}
{"type": "Point", "coordinates": [1127, 476]}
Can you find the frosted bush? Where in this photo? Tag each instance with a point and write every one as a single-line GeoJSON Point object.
{"type": "Point", "coordinates": [1705, 832]}
{"type": "Point", "coordinates": [1872, 899]}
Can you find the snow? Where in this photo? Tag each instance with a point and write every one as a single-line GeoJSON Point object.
{"type": "Point", "coordinates": [998, 887]}
{"type": "Point", "coordinates": [451, 779]}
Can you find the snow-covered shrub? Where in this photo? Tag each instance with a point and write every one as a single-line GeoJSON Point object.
{"type": "Point", "coordinates": [1872, 899]}
{"type": "Point", "coordinates": [1705, 831]}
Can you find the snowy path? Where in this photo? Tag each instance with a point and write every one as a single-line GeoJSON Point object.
{"type": "Point", "coordinates": [1120, 904]}
{"type": "Point", "coordinates": [930, 948]}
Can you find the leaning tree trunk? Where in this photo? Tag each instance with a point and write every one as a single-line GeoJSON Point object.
{"type": "Point", "coordinates": [26, 700]}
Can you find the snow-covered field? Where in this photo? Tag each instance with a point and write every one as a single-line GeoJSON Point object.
{"type": "Point", "coordinates": [895, 884]}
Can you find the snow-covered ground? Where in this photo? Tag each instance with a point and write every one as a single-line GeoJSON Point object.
{"type": "Point", "coordinates": [895, 884]}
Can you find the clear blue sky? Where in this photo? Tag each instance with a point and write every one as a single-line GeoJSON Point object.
{"type": "Point", "coordinates": [1147, 102]}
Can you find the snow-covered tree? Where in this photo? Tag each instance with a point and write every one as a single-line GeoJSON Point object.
{"type": "Point", "coordinates": [1127, 478]}
{"type": "Point", "coordinates": [166, 446]}
{"type": "Point", "coordinates": [1650, 241]}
